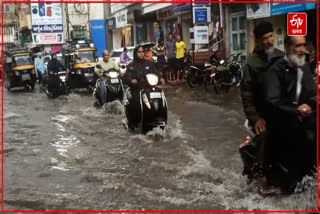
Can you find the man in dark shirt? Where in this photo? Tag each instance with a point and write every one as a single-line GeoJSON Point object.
{"type": "Point", "coordinates": [54, 65]}
{"type": "Point", "coordinates": [290, 101]}
{"type": "Point", "coordinates": [252, 95]}
{"type": "Point", "coordinates": [251, 91]}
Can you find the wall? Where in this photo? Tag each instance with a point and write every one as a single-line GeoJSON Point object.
{"type": "Point", "coordinates": [96, 11]}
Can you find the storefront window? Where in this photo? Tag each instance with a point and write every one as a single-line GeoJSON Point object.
{"type": "Point", "coordinates": [126, 37]}
{"type": "Point", "coordinates": [235, 45]}
{"type": "Point", "coordinates": [242, 23]}
{"type": "Point", "coordinates": [158, 32]}
{"type": "Point", "coordinates": [173, 28]}
{"type": "Point", "coordinates": [242, 41]}
{"type": "Point", "coordinates": [234, 24]}
{"type": "Point", "coordinates": [141, 30]}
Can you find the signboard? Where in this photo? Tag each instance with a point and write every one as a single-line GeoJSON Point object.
{"type": "Point", "coordinates": [7, 8]}
{"type": "Point", "coordinates": [111, 23]}
{"type": "Point", "coordinates": [98, 35]}
{"type": "Point", "coordinates": [201, 35]}
{"type": "Point", "coordinates": [181, 7]}
{"type": "Point", "coordinates": [47, 24]}
{"type": "Point", "coordinates": [165, 13]}
{"type": "Point", "coordinates": [297, 24]}
{"type": "Point", "coordinates": [255, 11]}
{"type": "Point", "coordinates": [121, 19]}
{"type": "Point", "coordinates": [277, 8]}
{"type": "Point", "coordinates": [201, 15]}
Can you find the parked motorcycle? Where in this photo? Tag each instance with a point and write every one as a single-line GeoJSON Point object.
{"type": "Point", "coordinates": [194, 75]}
{"type": "Point", "coordinates": [222, 75]}
{"type": "Point", "coordinates": [109, 88]}
{"type": "Point", "coordinates": [54, 84]}
{"type": "Point", "coordinates": [152, 106]}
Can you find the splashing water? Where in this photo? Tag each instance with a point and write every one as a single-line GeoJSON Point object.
{"type": "Point", "coordinates": [115, 107]}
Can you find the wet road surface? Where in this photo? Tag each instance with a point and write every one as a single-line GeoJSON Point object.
{"type": "Point", "coordinates": [64, 154]}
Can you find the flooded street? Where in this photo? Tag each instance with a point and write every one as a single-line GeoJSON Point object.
{"type": "Point", "coordinates": [64, 154]}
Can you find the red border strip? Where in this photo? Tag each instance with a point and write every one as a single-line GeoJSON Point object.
{"type": "Point", "coordinates": [167, 211]}
{"type": "Point", "coordinates": [317, 83]}
{"type": "Point", "coordinates": [159, 2]}
{"type": "Point", "coordinates": [2, 108]}
{"type": "Point", "coordinates": [152, 211]}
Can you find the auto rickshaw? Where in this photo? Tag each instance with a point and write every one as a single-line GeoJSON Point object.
{"type": "Point", "coordinates": [20, 70]}
{"type": "Point", "coordinates": [81, 59]}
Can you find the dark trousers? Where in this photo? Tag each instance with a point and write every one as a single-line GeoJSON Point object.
{"type": "Point", "coordinates": [292, 146]}
{"type": "Point", "coordinates": [180, 66]}
{"type": "Point", "coordinates": [172, 68]}
{"type": "Point", "coordinates": [134, 108]}
{"type": "Point", "coordinates": [53, 82]}
{"type": "Point", "coordinates": [39, 77]}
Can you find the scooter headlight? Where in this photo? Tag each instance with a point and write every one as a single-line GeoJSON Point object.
{"type": "Point", "coordinates": [17, 73]}
{"type": "Point", "coordinates": [113, 74]}
{"type": "Point", "coordinates": [152, 79]}
{"type": "Point", "coordinates": [63, 78]}
{"type": "Point", "coordinates": [221, 62]}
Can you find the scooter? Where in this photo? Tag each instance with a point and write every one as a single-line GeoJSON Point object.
{"type": "Point", "coordinates": [151, 108]}
{"type": "Point", "coordinates": [109, 88]}
{"type": "Point", "coordinates": [54, 84]}
{"type": "Point", "coordinates": [252, 154]}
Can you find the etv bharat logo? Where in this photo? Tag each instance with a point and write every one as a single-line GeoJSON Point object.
{"type": "Point", "coordinates": [297, 24]}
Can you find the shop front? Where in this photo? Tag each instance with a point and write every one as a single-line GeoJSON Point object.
{"type": "Point", "coordinates": [176, 20]}
{"type": "Point", "coordinates": [122, 33]}
{"type": "Point", "coordinates": [154, 26]}
{"type": "Point", "coordinates": [277, 15]}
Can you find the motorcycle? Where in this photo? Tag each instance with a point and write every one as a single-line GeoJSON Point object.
{"type": "Point", "coordinates": [194, 75]}
{"type": "Point", "coordinates": [222, 75]}
{"type": "Point", "coordinates": [108, 89]}
{"type": "Point", "coordinates": [152, 106]}
{"type": "Point", "coordinates": [54, 84]}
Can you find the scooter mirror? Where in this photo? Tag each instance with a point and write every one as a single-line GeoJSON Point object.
{"type": "Point", "coordinates": [98, 66]}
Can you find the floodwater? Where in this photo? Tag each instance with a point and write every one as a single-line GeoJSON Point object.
{"type": "Point", "coordinates": [63, 154]}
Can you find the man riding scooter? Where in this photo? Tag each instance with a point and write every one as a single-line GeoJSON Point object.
{"type": "Point", "coordinates": [55, 66]}
{"type": "Point", "coordinates": [135, 79]}
{"type": "Point", "coordinates": [291, 116]}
